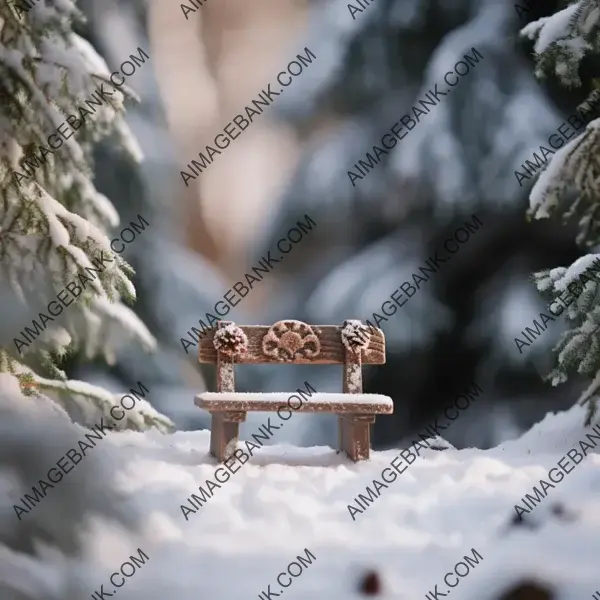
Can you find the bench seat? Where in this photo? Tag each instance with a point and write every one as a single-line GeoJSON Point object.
{"type": "Point", "coordinates": [318, 402]}
{"type": "Point", "coordinates": [356, 413]}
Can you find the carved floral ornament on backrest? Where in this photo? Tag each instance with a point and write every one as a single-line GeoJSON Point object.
{"type": "Point", "coordinates": [289, 340]}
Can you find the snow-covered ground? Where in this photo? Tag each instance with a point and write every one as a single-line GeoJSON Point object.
{"type": "Point", "coordinates": [287, 500]}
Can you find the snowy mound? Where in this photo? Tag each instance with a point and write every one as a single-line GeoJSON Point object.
{"type": "Point", "coordinates": [283, 518]}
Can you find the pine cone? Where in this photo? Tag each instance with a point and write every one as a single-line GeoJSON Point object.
{"type": "Point", "coordinates": [231, 340]}
{"type": "Point", "coordinates": [355, 336]}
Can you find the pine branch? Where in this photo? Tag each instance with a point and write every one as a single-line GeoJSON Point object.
{"type": "Point", "coordinates": [54, 223]}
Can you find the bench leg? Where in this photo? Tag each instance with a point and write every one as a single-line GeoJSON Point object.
{"type": "Point", "coordinates": [340, 446]}
{"type": "Point", "coordinates": [356, 436]}
{"type": "Point", "coordinates": [224, 433]}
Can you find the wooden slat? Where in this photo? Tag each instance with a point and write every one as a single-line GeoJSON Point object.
{"type": "Point", "coordinates": [351, 384]}
{"type": "Point", "coordinates": [357, 436]}
{"type": "Point", "coordinates": [310, 406]}
{"type": "Point", "coordinates": [331, 347]}
{"type": "Point", "coordinates": [225, 369]}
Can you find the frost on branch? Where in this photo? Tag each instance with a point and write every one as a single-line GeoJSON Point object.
{"type": "Point", "coordinates": [563, 39]}
{"type": "Point", "coordinates": [570, 186]}
{"type": "Point", "coordinates": [561, 42]}
{"type": "Point", "coordinates": [574, 168]}
{"type": "Point", "coordinates": [574, 294]}
{"type": "Point", "coordinates": [53, 222]}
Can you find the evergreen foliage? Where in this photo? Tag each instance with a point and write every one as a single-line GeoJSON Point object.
{"type": "Point", "coordinates": [570, 187]}
{"type": "Point", "coordinates": [53, 221]}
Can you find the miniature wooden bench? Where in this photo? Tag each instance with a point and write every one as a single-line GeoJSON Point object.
{"type": "Point", "coordinates": [291, 341]}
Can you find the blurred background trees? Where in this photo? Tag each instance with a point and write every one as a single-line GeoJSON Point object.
{"type": "Point", "coordinates": [458, 161]}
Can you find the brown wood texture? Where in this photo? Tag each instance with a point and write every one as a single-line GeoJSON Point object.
{"type": "Point", "coordinates": [351, 384]}
{"type": "Point", "coordinates": [224, 433]}
{"type": "Point", "coordinates": [293, 342]}
{"type": "Point", "coordinates": [328, 341]}
{"type": "Point", "coordinates": [214, 406]}
{"type": "Point", "coordinates": [352, 381]}
{"type": "Point", "coordinates": [357, 436]}
{"type": "Point", "coordinates": [340, 439]}
{"type": "Point", "coordinates": [225, 369]}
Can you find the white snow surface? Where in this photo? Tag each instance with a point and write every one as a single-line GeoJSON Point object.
{"type": "Point", "coordinates": [278, 398]}
{"type": "Point", "coordinates": [287, 499]}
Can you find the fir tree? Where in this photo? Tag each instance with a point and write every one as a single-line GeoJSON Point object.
{"type": "Point", "coordinates": [570, 187]}
{"type": "Point", "coordinates": [54, 224]}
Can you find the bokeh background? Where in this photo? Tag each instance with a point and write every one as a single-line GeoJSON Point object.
{"type": "Point", "coordinates": [293, 160]}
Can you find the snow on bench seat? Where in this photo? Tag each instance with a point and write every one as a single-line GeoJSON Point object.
{"type": "Point", "coordinates": [317, 402]}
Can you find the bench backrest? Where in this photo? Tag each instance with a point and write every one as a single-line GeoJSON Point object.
{"type": "Point", "coordinates": [293, 342]}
